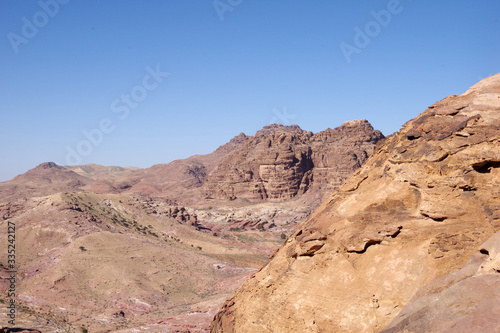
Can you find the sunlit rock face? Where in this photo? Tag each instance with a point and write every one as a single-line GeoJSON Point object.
{"type": "Point", "coordinates": [417, 210]}
{"type": "Point", "coordinates": [283, 162]}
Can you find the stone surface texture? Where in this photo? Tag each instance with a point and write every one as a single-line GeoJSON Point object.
{"type": "Point", "coordinates": [464, 301]}
{"type": "Point", "coordinates": [282, 162]}
{"type": "Point", "coordinates": [418, 210]}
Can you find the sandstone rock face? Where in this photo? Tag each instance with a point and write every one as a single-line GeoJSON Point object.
{"type": "Point", "coordinates": [464, 301]}
{"type": "Point", "coordinates": [282, 162]}
{"type": "Point", "coordinates": [418, 209]}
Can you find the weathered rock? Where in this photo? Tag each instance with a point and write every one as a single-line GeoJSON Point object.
{"type": "Point", "coordinates": [464, 301]}
{"type": "Point", "coordinates": [416, 211]}
{"type": "Point", "coordinates": [282, 162]}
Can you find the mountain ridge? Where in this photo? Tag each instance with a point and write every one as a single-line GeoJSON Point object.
{"type": "Point", "coordinates": [417, 210]}
{"type": "Point", "coordinates": [123, 248]}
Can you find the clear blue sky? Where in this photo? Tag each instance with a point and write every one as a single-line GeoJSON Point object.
{"type": "Point", "coordinates": [265, 62]}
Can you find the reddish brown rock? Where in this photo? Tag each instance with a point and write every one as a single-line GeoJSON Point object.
{"type": "Point", "coordinates": [179, 180]}
{"type": "Point", "coordinates": [417, 210]}
{"type": "Point", "coordinates": [282, 162]}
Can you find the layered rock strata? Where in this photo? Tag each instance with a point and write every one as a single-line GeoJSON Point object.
{"type": "Point", "coordinates": [418, 209]}
{"type": "Point", "coordinates": [282, 162]}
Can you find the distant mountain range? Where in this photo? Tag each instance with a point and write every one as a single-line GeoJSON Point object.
{"type": "Point", "coordinates": [278, 163]}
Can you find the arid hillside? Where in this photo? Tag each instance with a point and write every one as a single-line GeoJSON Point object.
{"type": "Point", "coordinates": [110, 261]}
{"type": "Point", "coordinates": [418, 210]}
{"type": "Point", "coordinates": [124, 249]}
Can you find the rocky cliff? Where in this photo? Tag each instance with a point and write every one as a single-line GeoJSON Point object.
{"type": "Point", "coordinates": [418, 209]}
{"type": "Point", "coordinates": [282, 162]}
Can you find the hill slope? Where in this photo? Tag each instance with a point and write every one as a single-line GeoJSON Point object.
{"type": "Point", "coordinates": [47, 178]}
{"type": "Point", "coordinates": [417, 210]}
{"type": "Point", "coordinates": [110, 248]}
{"type": "Point", "coordinates": [111, 261]}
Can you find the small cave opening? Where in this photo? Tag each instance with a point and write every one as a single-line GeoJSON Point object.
{"type": "Point", "coordinates": [485, 166]}
{"type": "Point", "coordinates": [484, 251]}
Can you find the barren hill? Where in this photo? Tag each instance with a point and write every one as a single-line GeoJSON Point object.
{"type": "Point", "coordinates": [47, 178]}
{"type": "Point", "coordinates": [279, 163]}
{"type": "Point", "coordinates": [419, 208]}
{"type": "Point", "coordinates": [177, 181]}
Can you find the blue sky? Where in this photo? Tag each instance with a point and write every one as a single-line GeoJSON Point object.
{"type": "Point", "coordinates": [233, 66]}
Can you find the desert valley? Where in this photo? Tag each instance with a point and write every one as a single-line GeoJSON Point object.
{"type": "Point", "coordinates": [118, 248]}
{"type": "Point", "coordinates": [284, 231]}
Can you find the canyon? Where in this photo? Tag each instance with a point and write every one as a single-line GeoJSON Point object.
{"type": "Point", "coordinates": [160, 249]}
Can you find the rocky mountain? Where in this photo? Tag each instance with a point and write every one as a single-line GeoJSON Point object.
{"type": "Point", "coordinates": [279, 163]}
{"type": "Point", "coordinates": [108, 248]}
{"type": "Point", "coordinates": [416, 211]}
{"type": "Point", "coordinates": [178, 181]}
{"type": "Point", "coordinates": [282, 162]}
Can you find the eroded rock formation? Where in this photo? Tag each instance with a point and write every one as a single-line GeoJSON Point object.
{"type": "Point", "coordinates": [418, 209]}
{"type": "Point", "coordinates": [282, 162]}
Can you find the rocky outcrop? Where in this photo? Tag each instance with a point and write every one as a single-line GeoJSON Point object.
{"type": "Point", "coordinates": [282, 162]}
{"type": "Point", "coordinates": [417, 210]}
{"type": "Point", "coordinates": [180, 214]}
{"type": "Point", "coordinates": [467, 300]}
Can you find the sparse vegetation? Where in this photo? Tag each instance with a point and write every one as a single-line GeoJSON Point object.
{"type": "Point", "coordinates": [107, 226]}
